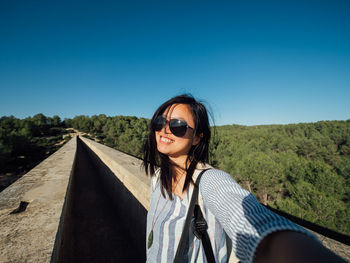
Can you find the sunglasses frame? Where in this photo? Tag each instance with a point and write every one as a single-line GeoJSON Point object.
{"type": "Point", "coordinates": [172, 126]}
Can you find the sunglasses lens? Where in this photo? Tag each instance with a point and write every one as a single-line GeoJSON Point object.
{"type": "Point", "coordinates": [178, 127]}
{"type": "Point", "coordinates": [159, 123]}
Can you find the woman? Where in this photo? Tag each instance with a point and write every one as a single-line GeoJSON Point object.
{"type": "Point", "coordinates": [178, 144]}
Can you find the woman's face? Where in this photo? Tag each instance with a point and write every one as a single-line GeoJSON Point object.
{"type": "Point", "coordinates": [168, 143]}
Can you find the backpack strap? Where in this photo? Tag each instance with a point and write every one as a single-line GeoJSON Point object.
{"type": "Point", "coordinates": [200, 231]}
{"type": "Point", "coordinates": [201, 223]}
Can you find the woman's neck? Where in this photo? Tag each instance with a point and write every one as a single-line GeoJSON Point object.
{"type": "Point", "coordinates": [178, 184]}
{"type": "Point", "coordinates": [179, 169]}
{"type": "Point", "coordinates": [179, 164]}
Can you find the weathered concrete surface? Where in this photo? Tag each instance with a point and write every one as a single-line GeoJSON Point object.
{"type": "Point", "coordinates": [29, 236]}
{"type": "Point", "coordinates": [78, 211]}
{"type": "Point", "coordinates": [127, 169]}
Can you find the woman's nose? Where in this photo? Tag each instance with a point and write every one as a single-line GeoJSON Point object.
{"type": "Point", "coordinates": [166, 127]}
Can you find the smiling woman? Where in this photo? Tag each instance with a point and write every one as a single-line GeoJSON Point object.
{"type": "Point", "coordinates": [175, 139]}
{"type": "Point", "coordinates": [178, 140]}
{"type": "Point", "coordinates": [178, 144]}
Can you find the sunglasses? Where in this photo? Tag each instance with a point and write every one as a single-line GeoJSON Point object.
{"type": "Point", "coordinates": [177, 127]}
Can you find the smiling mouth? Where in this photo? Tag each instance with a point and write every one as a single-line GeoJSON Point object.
{"type": "Point", "coordinates": [166, 140]}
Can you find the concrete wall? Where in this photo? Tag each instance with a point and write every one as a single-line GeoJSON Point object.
{"type": "Point", "coordinates": [126, 168]}
{"type": "Point", "coordinates": [127, 188]}
{"type": "Point", "coordinates": [104, 222]}
{"type": "Point", "coordinates": [29, 236]}
{"type": "Point", "coordinates": [86, 203]}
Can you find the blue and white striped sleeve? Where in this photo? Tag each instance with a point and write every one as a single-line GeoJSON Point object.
{"type": "Point", "coordinates": [244, 220]}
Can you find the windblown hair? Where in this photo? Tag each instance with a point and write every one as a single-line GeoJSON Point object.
{"type": "Point", "coordinates": [198, 153]}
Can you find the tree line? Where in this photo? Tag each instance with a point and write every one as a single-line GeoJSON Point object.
{"type": "Point", "coordinates": [26, 142]}
{"type": "Point", "coordinates": [302, 169]}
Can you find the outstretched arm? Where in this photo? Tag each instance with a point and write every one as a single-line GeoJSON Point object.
{"type": "Point", "coordinates": [289, 246]}
{"type": "Point", "coordinates": [251, 226]}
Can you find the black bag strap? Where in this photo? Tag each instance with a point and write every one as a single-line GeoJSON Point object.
{"type": "Point", "coordinates": [200, 231]}
{"type": "Point", "coordinates": [182, 244]}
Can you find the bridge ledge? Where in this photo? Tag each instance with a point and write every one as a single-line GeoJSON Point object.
{"type": "Point", "coordinates": [37, 231]}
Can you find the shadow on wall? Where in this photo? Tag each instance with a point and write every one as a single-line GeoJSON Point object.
{"type": "Point", "coordinates": [102, 221]}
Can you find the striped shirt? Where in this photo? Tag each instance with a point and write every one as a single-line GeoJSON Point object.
{"type": "Point", "coordinates": [233, 215]}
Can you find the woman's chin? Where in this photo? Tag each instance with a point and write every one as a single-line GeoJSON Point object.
{"type": "Point", "coordinates": [163, 149]}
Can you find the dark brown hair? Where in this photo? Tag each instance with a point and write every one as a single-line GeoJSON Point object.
{"type": "Point", "coordinates": [198, 153]}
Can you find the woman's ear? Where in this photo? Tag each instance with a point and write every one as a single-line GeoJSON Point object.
{"type": "Point", "coordinates": [197, 139]}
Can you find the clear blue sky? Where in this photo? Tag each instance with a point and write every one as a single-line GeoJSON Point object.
{"type": "Point", "coordinates": [253, 62]}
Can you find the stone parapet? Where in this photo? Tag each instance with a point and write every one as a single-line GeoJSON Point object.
{"type": "Point", "coordinates": [126, 168]}
{"type": "Point", "coordinates": [29, 236]}
{"type": "Point", "coordinates": [44, 227]}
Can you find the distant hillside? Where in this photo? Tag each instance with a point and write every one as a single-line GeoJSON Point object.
{"type": "Point", "coordinates": [302, 169]}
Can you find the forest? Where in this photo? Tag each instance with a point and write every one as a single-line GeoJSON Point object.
{"type": "Point", "coordinates": [26, 142]}
{"type": "Point", "coordinates": [302, 169]}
